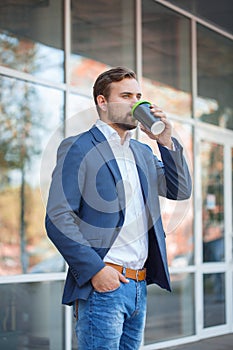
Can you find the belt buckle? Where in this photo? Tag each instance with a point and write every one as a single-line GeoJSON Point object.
{"type": "Point", "coordinates": [137, 273]}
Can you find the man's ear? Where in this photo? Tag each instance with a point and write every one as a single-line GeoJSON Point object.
{"type": "Point", "coordinates": [102, 103]}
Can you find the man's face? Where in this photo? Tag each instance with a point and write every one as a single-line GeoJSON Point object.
{"type": "Point", "coordinates": [123, 95]}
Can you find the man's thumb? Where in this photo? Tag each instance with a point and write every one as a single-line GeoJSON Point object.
{"type": "Point", "coordinates": [122, 278]}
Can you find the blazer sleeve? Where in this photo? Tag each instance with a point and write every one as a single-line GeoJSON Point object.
{"type": "Point", "coordinates": [62, 213]}
{"type": "Point", "coordinates": [174, 177]}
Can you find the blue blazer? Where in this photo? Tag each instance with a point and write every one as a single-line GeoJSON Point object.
{"type": "Point", "coordinates": [86, 206]}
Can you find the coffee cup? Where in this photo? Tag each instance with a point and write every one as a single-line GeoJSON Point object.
{"type": "Point", "coordinates": [142, 112]}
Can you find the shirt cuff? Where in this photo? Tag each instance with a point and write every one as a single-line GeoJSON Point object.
{"type": "Point", "coordinates": [173, 147]}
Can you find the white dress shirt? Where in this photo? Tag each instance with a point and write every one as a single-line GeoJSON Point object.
{"type": "Point", "coordinates": [130, 248]}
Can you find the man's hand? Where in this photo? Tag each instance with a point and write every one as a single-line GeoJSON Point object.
{"type": "Point", "coordinates": [165, 137]}
{"type": "Point", "coordinates": [107, 279]}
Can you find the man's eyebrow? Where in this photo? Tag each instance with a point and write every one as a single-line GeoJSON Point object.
{"type": "Point", "coordinates": [130, 93]}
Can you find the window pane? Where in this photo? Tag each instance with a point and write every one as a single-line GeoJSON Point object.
{"type": "Point", "coordinates": [166, 58]}
{"type": "Point", "coordinates": [81, 114]}
{"type": "Point", "coordinates": [177, 216]}
{"type": "Point", "coordinates": [102, 37]}
{"type": "Point", "coordinates": [214, 104]}
{"type": "Point", "coordinates": [29, 115]}
{"type": "Point", "coordinates": [31, 316]}
{"type": "Point", "coordinates": [214, 299]}
{"type": "Point", "coordinates": [215, 11]}
{"type": "Point", "coordinates": [31, 37]}
{"type": "Point", "coordinates": [212, 201]}
{"type": "Point", "coordinates": [170, 316]}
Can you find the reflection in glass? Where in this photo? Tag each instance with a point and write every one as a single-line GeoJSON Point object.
{"type": "Point", "coordinates": [166, 59]}
{"type": "Point", "coordinates": [31, 316]}
{"type": "Point", "coordinates": [214, 104]}
{"type": "Point", "coordinates": [214, 299]}
{"type": "Point", "coordinates": [177, 216]}
{"type": "Point", "coordinates": [219, 13]}
{"type": "Point", "coordinates": [170, 316]}
{"type": "Point", "coordinates": [166, 82]}
{"type": "Point", "coordinates": [31, 38]}
{"type": "Point", "coordinates": [82, 114]}
{"type": "Point", "coordinates": [213, 201]}
{"type": "Point", "coordinates": [29, 115]}
{"type": "Point", "coordinates": [102, 37]}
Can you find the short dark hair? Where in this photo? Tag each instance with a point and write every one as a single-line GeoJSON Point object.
{"type": "Point", "coordinates": [104, 80]}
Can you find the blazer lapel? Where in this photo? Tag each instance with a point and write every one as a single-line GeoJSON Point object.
{"type": "Point", "coordinates": [142, 169]}
{"type": "Point", "coordinates": [102, 146]}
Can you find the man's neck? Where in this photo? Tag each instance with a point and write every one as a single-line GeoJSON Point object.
{"type": "Point", "coordinates": [122, 133]}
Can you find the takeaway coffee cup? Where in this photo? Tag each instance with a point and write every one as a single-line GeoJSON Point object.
{"type": "Point", "coordinates": [141, 111]}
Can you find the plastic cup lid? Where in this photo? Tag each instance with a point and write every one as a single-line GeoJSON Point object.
{"type": "Point", "coordinates": [138, 104]}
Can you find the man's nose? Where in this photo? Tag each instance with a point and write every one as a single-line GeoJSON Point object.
{"type": "Point", "coordinates": [133, 101]}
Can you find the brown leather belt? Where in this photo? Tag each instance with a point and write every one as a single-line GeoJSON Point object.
{"type": "Point", "coordinates": [137, 275]}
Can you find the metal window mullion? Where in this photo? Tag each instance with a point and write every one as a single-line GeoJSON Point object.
{"type": "Point", "coordinates": [68, 327]}
{"type": "Point", "coordinates": [67, 53]}
{"type": "Point", "coordinates": [198, 253]}
{"type": "Point", "coordinates": [228, 233]}
{"type": "Point", "coordinates": [194, 66]}
{"type": "Point", "coordinates": [138, 44]}
{"type": "Point", "coordinates": [32, 277]}
{"type": "Point", "coordinates": [227, 166]}
{"type": "Point", "coordinates": [138, 37]}
{"type": "Point", "coordinates": [28, 78]}
{"type": "Point", "coordinates": [197, 190]}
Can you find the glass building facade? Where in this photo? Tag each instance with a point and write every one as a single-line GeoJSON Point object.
{"type": "Point", "coordinates": [51, 51]}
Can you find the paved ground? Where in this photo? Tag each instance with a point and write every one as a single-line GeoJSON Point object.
{"type": "Point", "coordinates": [224, 342]}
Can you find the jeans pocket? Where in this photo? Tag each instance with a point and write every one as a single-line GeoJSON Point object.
{"type": "Point", "coordinates": [108, 291]}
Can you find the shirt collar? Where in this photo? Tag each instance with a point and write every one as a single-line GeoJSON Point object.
{"type": "Point", "coordinates": [110, 133]}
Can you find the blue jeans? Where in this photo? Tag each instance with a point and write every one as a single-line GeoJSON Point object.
{"type": "Point", "coordinates": [112, 320]}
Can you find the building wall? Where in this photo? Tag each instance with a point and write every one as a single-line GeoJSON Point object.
{"type": "Point", "coordinates": [51, 51]}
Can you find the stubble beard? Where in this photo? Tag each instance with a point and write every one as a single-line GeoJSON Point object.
{"type": "Point", "coordinates": [119, 121]}
{"type": "Point", "coordinates": [125, 127]}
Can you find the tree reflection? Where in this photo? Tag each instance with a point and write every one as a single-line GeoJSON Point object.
{"type": "Point", "coordinates": [19, 119]}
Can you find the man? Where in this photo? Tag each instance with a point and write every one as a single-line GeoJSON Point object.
{"type": "Point", "coordinates": [103, 215]}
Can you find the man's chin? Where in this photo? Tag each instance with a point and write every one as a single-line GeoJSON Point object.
{"type": "Point", "coordinates": [125, 127]}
